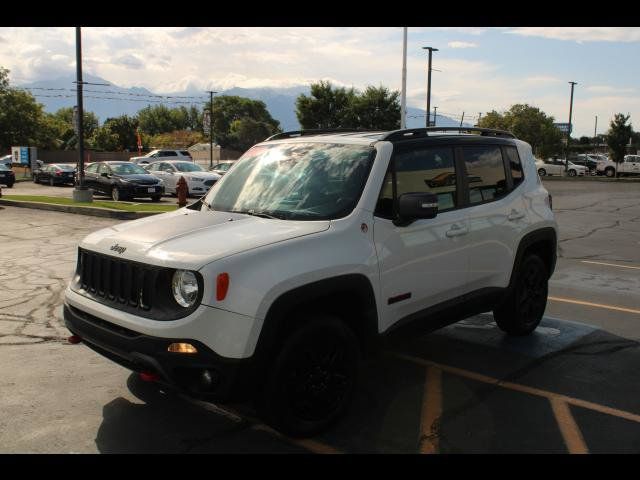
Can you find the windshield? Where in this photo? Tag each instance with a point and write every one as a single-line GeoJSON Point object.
{"type": "Point", "coordinates": [127, 169]}
{"type": "Point", "coordinates": [295, 181]}
{"type": "Point", "coordinates": [188, 167]}
{"type": "Point", "coordinates": [67, 168]}
{"type": "Point", "coordinates": [4, 167]}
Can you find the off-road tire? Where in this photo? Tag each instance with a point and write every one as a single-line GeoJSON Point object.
{"type": "Point", "coordinates": [521, 311]}
{"type": "Point", "coordinates": [312, 380]}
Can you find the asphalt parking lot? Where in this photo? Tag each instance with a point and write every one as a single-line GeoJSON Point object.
{"type": "Point", "coordinates": [570, 387]}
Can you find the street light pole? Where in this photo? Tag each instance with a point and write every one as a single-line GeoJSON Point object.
{"type": "Point", "coordinates": [403, 97]}
{"type": "Point", "coordinates": [211, 128]}
{"type": "Point", "coordinates": [431, 50]}
{"type": "Point", "coordinates": [566, 159]}
{"type": "Point", "coordinates": [435, 116]}
{"type": "Point", "coordinates": [80, 193]}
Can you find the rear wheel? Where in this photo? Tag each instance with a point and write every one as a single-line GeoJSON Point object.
{"type": "Point", "coordinates": [610, 172]}
{"type": "Point", "coordinates": [51, 182]}
{"type": "Point", "coordinates": [9, 185]}
{"type": "Point", "coordinates": [116, 195]}
{"type": "Point", "coordinates": [572, 173]}
{"type": "Point", "coordinates": [520, 313]}
{"type": "Point", "coordinates": [312, 380]}
{"type": "Point", "coordinates": [542, 172]}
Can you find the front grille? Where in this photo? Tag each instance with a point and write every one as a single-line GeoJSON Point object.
{"type": "Point", "coordinates": [118, 281]}
{"type": "Point", "coordinates": [208, 183]}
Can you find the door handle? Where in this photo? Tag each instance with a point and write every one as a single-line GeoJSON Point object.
{"type": "Point", "coordinates": [456, 230]}
{"type": "Point", "coordinates": [515, 215]}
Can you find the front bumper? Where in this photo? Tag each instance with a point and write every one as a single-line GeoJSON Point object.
{"type": "Point", "coordinates": [227, 379]}
{"type": "Point", "coordinates": [139, 191]}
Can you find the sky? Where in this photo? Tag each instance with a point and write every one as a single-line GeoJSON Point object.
{"type": "Point", "coordinates": [476, 70]}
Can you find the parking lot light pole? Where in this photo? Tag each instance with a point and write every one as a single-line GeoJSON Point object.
{"type": "Point", "coordinates": [431, 50]}
{"type": "Point", "coordinates": [211, 128]}
{"type": "Point", "coordinates": [566, 159]}
{"type": "Point", "coordinates": [80, 193]}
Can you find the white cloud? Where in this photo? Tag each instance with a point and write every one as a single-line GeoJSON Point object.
{"type": "Point", "coordinates": [458, 44]}
{"type": "Point", "coordinates": [581, 34]}
{"type": "Point", "coordinates": [608, 89]}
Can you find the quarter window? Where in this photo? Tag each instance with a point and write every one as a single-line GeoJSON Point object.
{"type": "Point", "coordinates": [514, 164]}
{"type": "Point", "coordinates": [486, 177]}
{"type": "Point", "coordinates": [93, 168]}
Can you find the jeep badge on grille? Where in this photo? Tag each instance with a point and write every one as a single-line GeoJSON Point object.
{"type": "Point", "coordinates": [118, 248]}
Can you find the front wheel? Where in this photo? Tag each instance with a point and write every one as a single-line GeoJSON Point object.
{"type": "Point", "coordinates": [156, 198]}
{"type": "Point", "coordinates": [51, 182]}
{"type": "Point", "coordinates": [313, 378]}
{"type": "Point", "coordinates": [572, 173]}
{"type": "Point", "coordinates": [610, 172]}
{"type": "Point", "coordinates": [521, 311]}
{"type": "Point", "coordinates": [115, 194]}
{"type": "Point", "coordinates": [542, 172]}
{"type": "Point", "coordinates": [9, 185]}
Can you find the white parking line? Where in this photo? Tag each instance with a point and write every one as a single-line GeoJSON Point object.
{"type": "Point", "coordinates": [610, 264]}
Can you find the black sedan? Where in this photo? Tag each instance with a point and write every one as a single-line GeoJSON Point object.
{"type": "Point", "coordinates": [123, 181]}
{"type": "Point", "coordinates": [55, 174]}
{"type": "Point", "coordinates": [7, 177]}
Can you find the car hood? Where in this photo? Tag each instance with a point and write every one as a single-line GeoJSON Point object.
{"type": "Point", "coordinates": [207, 175]}
{"type": "Point", "coordinates": [190, 239]}
{"type": "Point", "coordinates": [145, 178]}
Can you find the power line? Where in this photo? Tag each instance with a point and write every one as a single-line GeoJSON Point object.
{"type": "Point", "coordinates": [115, 92]}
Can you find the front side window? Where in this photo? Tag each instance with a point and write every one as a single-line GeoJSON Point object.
{"type": "Point", "coordinates": [103, 168]}
{"type": "Point", "coordinates": [420, 169]}
{"type": "Point", "coordinates": [93, 168]}
{"type": "Point", "coordinates": [188, 167]}
{"type": "Point", "coordinates": [295, 181]}
{"type": "Point", "coordinates": [486, 177]}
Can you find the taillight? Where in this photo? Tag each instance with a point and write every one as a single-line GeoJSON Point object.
{"type": "Point", "coordinates": [222, 286]}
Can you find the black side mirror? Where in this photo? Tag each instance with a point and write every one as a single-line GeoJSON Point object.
{"type": "Point", "coordinates": [414, 206]}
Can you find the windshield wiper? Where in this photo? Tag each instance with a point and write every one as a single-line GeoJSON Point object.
{"type": "Point", "coordinates": [262, 214]}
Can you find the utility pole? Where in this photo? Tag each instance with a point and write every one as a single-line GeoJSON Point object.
{"type": "Point", "coordinates": [595, 134]}
{"type": "Point", "coordinates": [479, 117]}
{"type": "Point", "coordinates": [462, 120]}
{"type": "Point", "coordinates": [211, 92]}
{"type": "Point", "coordinates": [435, 116]}
{"type": "Point", "coordinates": [566, 159]}
{"type": "Point", "coordinates": [80, 193]}
{"type": "Point", "coordinates": [431, 50]}
{"type": "Point", "coordinates": [403, 97]}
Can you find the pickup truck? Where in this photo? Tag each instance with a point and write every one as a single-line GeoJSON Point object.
{"type": "Point", "coordinates": [630, 165]}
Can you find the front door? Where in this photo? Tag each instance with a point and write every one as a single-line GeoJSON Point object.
{"type": "Point", "coordinates": [424, 263]}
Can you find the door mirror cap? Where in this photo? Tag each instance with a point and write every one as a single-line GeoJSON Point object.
{"type": "Point", "coordinates": [414, 206]}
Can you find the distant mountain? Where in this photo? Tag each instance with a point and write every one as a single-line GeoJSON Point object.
{"type": "Point", "coordinates": [60, 92]}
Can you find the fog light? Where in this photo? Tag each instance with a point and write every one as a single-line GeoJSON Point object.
{"type": "Point", "coordinates": [182, 348]}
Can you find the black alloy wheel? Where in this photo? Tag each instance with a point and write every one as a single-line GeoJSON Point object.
{"type": "Point", "coordinates": [312, 381]}
{"type": "Point", "coordinates": [522, 310]}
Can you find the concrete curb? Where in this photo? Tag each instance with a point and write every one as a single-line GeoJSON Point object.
{"type": "Point", "coordinates": [595, 178]}
{"type": "Point", "coordinates": [92, 211]}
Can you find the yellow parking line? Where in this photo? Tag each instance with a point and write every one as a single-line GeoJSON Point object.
{"type": "Point", "coordinates": [523, 388]}
{"type": "Point", "coordinates": [568, 427]}
{"type": "Point", "coordinates": [591, 304]}
{"type": "Point", "coordinates": [610, 264]}
{"type": "Point", "coordinates": [431, 411]}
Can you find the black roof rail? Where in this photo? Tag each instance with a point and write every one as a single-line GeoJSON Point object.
{"type": "Point", "coordinates": [409, 133]}
{"type": "Point", "coordinates": [319, 131]}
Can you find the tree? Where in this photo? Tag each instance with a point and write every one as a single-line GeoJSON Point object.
{"type": "Point", "coordinates": [529, 124]}
{"type": "Point", "coordinates": [228, 109]}
{"type": "Point", "coordinates": [104, 138]}
{"type": "Point", "coordinates": [618, 136]}
{"type": "Point", "coordinates": [176, 139]}
{"type": "Point", "coordinates": [377, 109]}
{"type": "Point", "coordinates": [160, 119]}
{"type": "Point", "coordinates": [124, 127]}
{"type": "Point", "coordinates": [63, 119]}
{"type": "Point", "coordinates": [327, 107]}
{"type": "Point", "coordinates": [22, 119]}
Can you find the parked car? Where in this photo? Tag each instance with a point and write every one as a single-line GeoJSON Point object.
{"type": "Point", "coordinates": [222, 167]}
{"type": "Point", "coordinates": [557, 167]}
{"type": "Point", "coordinates": [306, 254]}
{"type": "Point", "coordinates": [198, 180]}
{"type": "Point", "coordinates": [7, 177]}
{"type": "Point", "coordinates": [6, 160]}
{"type": "Point", "coordinates": [55, 174]}
{"type": "Point", "coordinates": [155, 155]}
{"type": "Point", "coordinates": [123, 181]}
{"type": "Point", "coordinates": [630, 165]}
{"type": "Point", "coordinates": [589, 161]}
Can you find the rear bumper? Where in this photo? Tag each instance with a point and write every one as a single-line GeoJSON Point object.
{"type": "Point", "coordinates": [230, 379]}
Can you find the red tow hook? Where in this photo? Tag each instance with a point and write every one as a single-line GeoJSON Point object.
{"type": "Point", "coordinates": [73, 339]}
{"type": "Point", "coordinates": [149, 377]}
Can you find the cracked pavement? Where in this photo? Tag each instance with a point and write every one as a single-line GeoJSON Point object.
{"type": "Point", "coordinates": [62, 398]}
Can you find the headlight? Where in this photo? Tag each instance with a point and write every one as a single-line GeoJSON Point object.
{"type": "Point", "coordinates": [185, 288]}
{"type": "Point", "coordinates": [197, 179]}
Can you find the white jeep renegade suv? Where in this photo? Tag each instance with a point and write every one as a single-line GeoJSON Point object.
{"type": "Point", "coordinates": [312, 248]}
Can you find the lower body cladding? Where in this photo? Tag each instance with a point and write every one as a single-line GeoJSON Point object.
{"type": "Point", "coordinates": [204, 374]}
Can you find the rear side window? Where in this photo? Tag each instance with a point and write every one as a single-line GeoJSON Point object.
{"type": "Point", "coordinates": [515, 166]}
{"type": "Point", "coordinates": [168, 153]}
{"type": "Point", "coordinates": [185, 153]}
{"type": "Point", "coordinates": [485, 173]}
{"type": "Point", "coordinates": [426, 169]}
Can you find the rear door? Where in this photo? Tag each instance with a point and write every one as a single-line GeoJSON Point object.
{"type": "Point", "coordinates": [496, 212]}
{"type": "Point", "coordinates": [424, 263]}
